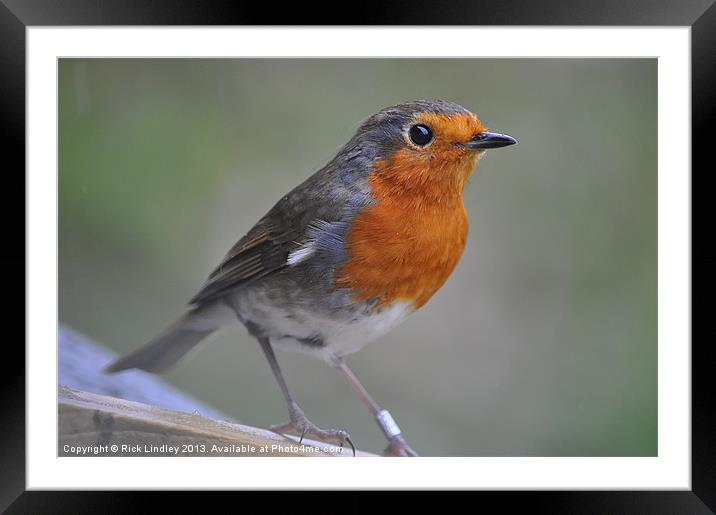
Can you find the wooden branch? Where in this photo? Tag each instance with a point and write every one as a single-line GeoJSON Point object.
{"type": "Point", "coordinates": [98, 425]}
{"type": "Point", "coordinates": [81, 361]}
{"type": "Point", "coordinates": [152, 418]}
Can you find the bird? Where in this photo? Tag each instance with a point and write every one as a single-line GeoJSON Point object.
{"type": "Point", "coordinates": [345, 256]}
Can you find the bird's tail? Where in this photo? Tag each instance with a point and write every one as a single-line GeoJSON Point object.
{"type": "Point", "coordinates": [170, 346]}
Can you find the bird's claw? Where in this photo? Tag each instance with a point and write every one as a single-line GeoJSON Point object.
{"type": "Point", "coordinates": [300, 424]}
{"type": "Point", "coordinates": [397, 446]}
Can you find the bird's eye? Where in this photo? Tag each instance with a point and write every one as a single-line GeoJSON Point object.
{"type": "Point", "coordinates": [421, 135]}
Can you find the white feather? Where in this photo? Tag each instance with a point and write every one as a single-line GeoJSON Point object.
{"type": "Point", "coordinates": [301, 253]}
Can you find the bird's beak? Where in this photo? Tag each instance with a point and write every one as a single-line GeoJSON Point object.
{"type": "Point", "coordinates": [486, 140]}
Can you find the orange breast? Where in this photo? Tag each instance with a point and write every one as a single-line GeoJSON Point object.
{"type": "Point", "coordinates": [406, 245]}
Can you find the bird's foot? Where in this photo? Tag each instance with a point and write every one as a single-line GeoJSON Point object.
{"type": "Point", "coordinates": [397, 446]}
{"type": "Point", "coordinates": [300, 425]}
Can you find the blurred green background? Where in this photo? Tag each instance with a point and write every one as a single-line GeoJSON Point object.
{"type": "Point", "coordinates": [542, 343]}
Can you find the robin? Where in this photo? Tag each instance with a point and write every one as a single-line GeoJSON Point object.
{"type": "Point", "coordinates": [344, 257]}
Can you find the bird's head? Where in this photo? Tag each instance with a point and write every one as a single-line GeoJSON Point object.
{"type": "Point", "coordinates": [427, 147]}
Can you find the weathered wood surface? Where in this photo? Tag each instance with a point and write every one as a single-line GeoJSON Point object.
{"type": "Point", "coordinates": [81, 361]}
{"type": "Point", "coordinates": [97, 425]}
{"type": "Point", "coordinates": [140, 413]}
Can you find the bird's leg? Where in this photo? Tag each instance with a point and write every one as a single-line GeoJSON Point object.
{"type": "Point", "coordinates": [298, 423]}
{"type": "Point", "coordinates": [397, 446]}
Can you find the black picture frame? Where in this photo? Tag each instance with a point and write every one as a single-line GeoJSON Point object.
{"type": "Point", "coordinates": [700, 15]}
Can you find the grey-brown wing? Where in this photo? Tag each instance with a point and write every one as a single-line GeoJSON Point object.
{"type": "Point", "coordinates": [315, 210]}
{"type": "Point", "coordinates": [262, 251]}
